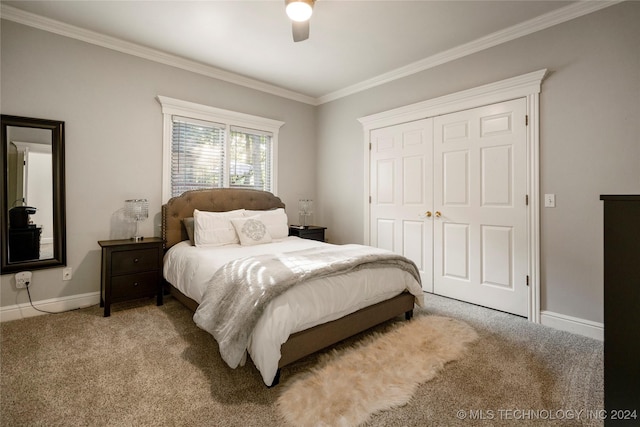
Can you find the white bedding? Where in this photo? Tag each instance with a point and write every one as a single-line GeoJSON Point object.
{"type": "Point", "coordinates": [189, 269]}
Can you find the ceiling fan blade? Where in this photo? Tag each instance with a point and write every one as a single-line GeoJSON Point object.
{"type": "Point", "coordinates": [300, 31]}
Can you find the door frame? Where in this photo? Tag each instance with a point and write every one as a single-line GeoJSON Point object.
{"type": "Point", "coordinates": [524, 86]}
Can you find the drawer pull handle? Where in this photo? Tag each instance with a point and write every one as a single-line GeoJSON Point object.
{"type": "Point", "coordinates": [136, 260]}
{"type": "Point", "coordinates": [135, 283]}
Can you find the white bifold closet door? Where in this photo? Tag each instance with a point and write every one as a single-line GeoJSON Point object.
{"type": "Point", "coordinates": [401, 162]}
{"type": "Point", "coordinates": [450, 193]}
{"type": "Point", "coordinates": [480, 228]}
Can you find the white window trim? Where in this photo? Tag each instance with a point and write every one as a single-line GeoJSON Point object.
{"type": "Point", "coordinates": [176, 107]}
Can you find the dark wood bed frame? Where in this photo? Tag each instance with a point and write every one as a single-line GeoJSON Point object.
{"type": "Point", "coordinates": [302, 343]}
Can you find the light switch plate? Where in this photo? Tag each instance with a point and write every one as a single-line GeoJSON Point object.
{"type": "Point", "coordinates": [549, 200]}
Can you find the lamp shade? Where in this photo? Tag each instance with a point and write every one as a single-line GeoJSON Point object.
{"type": "Point", "coordinates": [137, 209]}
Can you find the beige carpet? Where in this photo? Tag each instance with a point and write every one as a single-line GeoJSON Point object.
{"type": "Point", "coordinates": [379, 373]}
{"type": "Point", "coordinates": [151, 366]}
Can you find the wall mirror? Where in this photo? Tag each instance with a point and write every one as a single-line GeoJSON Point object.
{"type": "Point", "coordinates": [33, 199]}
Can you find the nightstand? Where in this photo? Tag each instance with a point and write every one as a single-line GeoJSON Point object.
{"type": "Point", "coordinates": [130, 270]}
{"type": "Point", "coordinates": [312, 232]}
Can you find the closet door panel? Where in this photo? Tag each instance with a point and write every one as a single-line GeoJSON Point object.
{"type": "Point", "coordinates": [401, 190]}
{"type": "Point", "coordinates": [480, 223]}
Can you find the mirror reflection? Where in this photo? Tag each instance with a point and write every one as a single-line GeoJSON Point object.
{"type": "Point", "coordinates": [33, 194]}
{"type": "Point", "coordinates": [30, 193]}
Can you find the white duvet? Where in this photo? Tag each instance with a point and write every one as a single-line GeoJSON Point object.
{"type": "Point", "coordinates": [189, 268]}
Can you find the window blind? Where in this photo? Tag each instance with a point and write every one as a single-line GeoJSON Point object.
{"type": "Point", "coordinates": [250, 162]}
{"type": "Point", "coordinates": [197, 155]}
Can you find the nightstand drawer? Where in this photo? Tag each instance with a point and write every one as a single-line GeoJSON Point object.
{"type": "Point", "coordinates": [133, 285]}
{"type": "Point", "coordinates": [313, 235]}
{"type": "Point", "coordinates": [311, 232]}
{"type": "Point", "coordinates": [125, 262]}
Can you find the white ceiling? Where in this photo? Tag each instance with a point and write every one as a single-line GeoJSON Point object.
{"type": "Point", "coordinates": [352, 44]}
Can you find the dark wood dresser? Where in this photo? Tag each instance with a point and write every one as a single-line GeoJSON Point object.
{"type": "Point", "coordinates": [130, 270]}
{"type": "Point", "coordinates": [24, 243]}
{"type": "Point", "coordinates": [622, 309]}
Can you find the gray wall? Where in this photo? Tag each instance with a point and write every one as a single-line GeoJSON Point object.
{"type": "Point", "coordinates": [589, 141]}
{"type": "Point", "coordinates": [114, 137]}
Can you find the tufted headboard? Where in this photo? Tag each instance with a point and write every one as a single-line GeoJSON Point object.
{"type": "Point", "coordinates": [212, 200]}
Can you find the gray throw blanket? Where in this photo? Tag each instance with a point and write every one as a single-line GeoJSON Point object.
{"type": "Point", "coordinates": [240, 290]}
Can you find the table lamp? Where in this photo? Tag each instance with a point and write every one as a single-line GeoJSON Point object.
{"type": "Point", "coordinates": [136, 210]}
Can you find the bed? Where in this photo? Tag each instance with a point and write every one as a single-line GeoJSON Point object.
{"type": "Point", "coordinates": [306, 317]}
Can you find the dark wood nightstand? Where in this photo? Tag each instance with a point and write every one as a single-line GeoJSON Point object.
{"type": "Point", "coordinates": [312, 232]}
{"type": "Point", "coordinates": [130, 270]}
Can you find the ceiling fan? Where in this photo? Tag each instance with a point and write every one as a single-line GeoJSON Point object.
{"type": "Point", "coordinates": [299, 11]}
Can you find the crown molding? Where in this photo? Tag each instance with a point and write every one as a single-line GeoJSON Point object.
{"type": "Point", "coordinates": [567, 13]}
{"type": "Point", "coordinates": [514, 87]}
{"type": "Point", "coordinates": [92, 37]}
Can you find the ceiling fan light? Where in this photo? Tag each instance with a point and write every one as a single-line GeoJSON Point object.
{"type": "Point", "coordinates": [299, 10]}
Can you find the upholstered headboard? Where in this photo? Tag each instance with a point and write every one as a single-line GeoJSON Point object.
{"type": "Point", "coordinates": [211, 200]}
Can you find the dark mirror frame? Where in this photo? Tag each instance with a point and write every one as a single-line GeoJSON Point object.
{"type": "Point", "coordinates": [59, 214]}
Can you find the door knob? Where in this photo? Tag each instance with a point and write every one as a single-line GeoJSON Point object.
{"type": "Point", "coordinates": [438, 214]}
{"type": "Point", "coordinates": [427, 214]}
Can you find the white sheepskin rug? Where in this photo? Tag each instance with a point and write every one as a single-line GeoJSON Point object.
{"type": "Point", "coordinates": [377, 374]}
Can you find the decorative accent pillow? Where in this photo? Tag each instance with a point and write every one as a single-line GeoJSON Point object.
{"type": "Point", "coordinates": [188, 225]}
{"type": "Point", "coordinates": [276, 221]}
{"type": "Point", "coordinates": [215, 228]}
{"type": "Point", "coordinates": [252, 230]}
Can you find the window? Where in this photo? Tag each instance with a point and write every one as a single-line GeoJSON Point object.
{"type": "Point", "coordinates": [250, 159]}
{"type": "Point", "coordinates": [206, 147]}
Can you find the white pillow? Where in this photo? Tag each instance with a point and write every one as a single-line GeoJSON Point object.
{"type": "Point", "coordinates": [252, 230]}
{"type": "Point", "coordinates": [276, 221]}
{"type": "Point", "coordinates": [215, 228]}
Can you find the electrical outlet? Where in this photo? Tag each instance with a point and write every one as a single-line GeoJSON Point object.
{"type": "Point", "coordinates": [23, 279]}
{"type": "Point", "coordinates": [67, 273]}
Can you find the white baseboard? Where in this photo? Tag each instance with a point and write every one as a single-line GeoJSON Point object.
{"type": "Point", "coordinates": [21, 311]}
{"type": "Point", "coordinates": [573, 324]}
